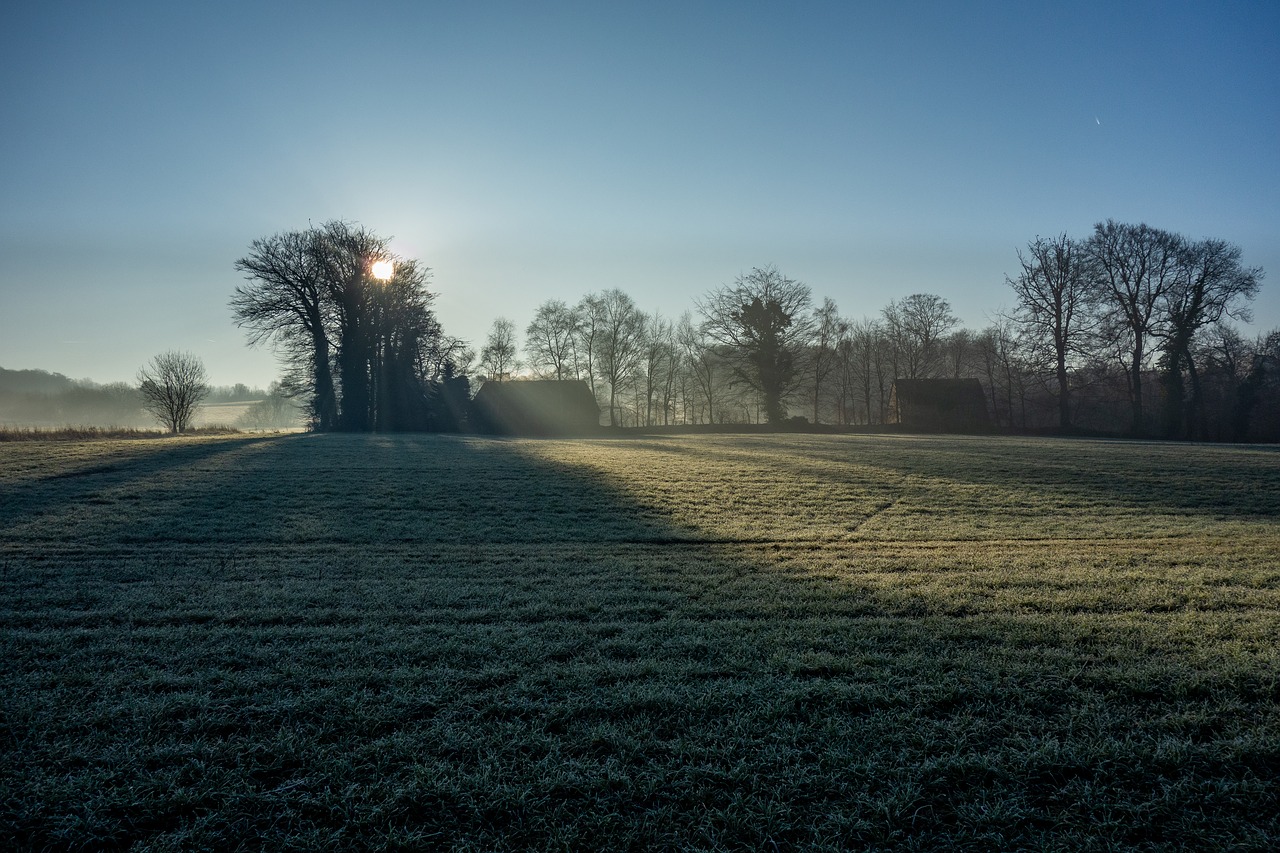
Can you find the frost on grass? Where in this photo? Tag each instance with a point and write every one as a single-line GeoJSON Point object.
{"type": "Point", "coordinates": [345, 642]}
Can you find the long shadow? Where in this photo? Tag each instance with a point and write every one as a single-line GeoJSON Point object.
{"type": "Point", "coordinates": [345, 641]}
{"type": "Point", "coordinates": [135, 464]}
{"type": "Point", "coordinates": [1212, 480]}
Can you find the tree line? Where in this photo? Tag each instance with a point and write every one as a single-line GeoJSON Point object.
{"type": "Point", "coordinates": [1128, 330]}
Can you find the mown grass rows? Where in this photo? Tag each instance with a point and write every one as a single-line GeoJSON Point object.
{"type": "Point", "coordinates": [710, 642]}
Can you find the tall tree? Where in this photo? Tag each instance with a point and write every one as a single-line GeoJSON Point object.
{"type": "Point", "coordinates": [285, 306]}
{"type": "Point", "coordinates": [347, 255]}
{"type": "Point", "coordinates": [702, 363]}
{"type": "Point", "coordinates": [1133, 267]}
{"type": "Point", "coordinates": [656, 367]}
{"type": "Point", "coordinates": [587, 340]}
{"type": "Point", "coordinates": [366, 347]}
{"type": "Point", "coordinates": [1054, 294]}
{"type": "Point", "coordinates": [498, 355]}
{"type": "Point", "coordinates": [405, 337]}
{"type": "Point", "coordinates": [763, 323]}
{"type": "Point", "coordinates": [863, 349]}
{"type": "Point", "coordinates": [549, 340]}
{"type": "Point", "coordinates": [1210, 283]}
{"type": "Point", "coordinates": [827, 330]}
{"type": "Point", "coordinates": [619, 343]}
{"type": "Point", "coordinates": [916, 327]}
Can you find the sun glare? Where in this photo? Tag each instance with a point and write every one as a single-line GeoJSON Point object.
{"type": "Point", "coordinates": [382, 270]}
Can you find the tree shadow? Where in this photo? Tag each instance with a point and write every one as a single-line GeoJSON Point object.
{"type": "Point", "coordinates": [1218, 481]}
{"type": "Point", "coordinates": [352, 640]}
{"type": "Point", "coordinates": [130, 467]}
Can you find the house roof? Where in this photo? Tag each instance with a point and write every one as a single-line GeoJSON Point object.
{"type": "Point", "coordinates": [536, 406]}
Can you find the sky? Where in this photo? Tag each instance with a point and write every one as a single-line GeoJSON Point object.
{"type": "Point", "coordinates": [535, 151]}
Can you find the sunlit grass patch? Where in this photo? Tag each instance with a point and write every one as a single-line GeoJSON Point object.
{"type": "Point", "coordinates": [346, 642]}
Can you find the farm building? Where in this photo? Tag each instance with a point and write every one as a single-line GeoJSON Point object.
{"type": "Point", "coordinates": [535, 407]}
{"type": "Point", "coordinates": [939, 405]}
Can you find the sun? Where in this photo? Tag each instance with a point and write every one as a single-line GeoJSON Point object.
{"type": "Point", "coordinates": [382, 270]}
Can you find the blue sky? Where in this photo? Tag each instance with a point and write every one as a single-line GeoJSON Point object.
{"type": "Point", "coordinates": [531, 151]}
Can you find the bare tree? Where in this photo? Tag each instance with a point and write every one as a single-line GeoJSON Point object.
{"type": "Point", "coordinates": [861, 349]}
{"type": "Point", "coordinates": [1054, 295]}
{"type": "Point", "coordinates": [1210, 284]}
{"type": "Point", "coordinates": [762, 322]}
{"type": "Point", "coordinates": [1133, 267]}
{"type": "Point", "coordinates": [916, 327]}
{"type": "Point", "coordinates": [284, 305]}
{"type": "Point", "coordinates": [657, 358]}
{"type": "Point", "coordinates": [498, 355]}
{"type": "Point", "coordinates": [587, 340]}
{"type": "Point", "coordinates": [828, 328]}
{"type": "Point", "coordinates": [619, 343]}
{"type": "Point", "coordinates": [172, 385]}
{"type": "Point", "coordinates": [702, 364]}
{"type": "Point", "coordinates": [549, 340]}
{"type": "Point", "coordinates": [669, 379]}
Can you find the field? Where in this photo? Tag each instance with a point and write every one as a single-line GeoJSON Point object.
{"type": "Point", "coordinates": [704, 642]}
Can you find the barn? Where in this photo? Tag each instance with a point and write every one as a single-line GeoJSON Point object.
{"type": "Point", "coordinates": [535, 407]}
{"type": "Point", "coordinates": [939, 405]}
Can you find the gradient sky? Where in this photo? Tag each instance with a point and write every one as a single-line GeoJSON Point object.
{"type": "Point", "coordinates": [530, 151]}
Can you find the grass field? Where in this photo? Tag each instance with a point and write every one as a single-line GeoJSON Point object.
{"type": "Point", "coordinates": [706, 642]}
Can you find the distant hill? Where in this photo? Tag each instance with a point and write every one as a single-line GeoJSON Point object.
{"type": "Point", "coordinates": [34, 382]}
{"type": "Point", "coordinates": [38, 398]}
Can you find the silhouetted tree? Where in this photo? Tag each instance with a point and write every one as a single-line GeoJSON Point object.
{"type": "Point", "coordinates": [366, 350]}
{"type": "Point", "coordinates": [1263, 376]}
{"type": "Point", "coordinates": [172, 385]}
{"type": "Point", "coordinates": [1054, 296]}
{"type": "Point", "coordinates": [1133, 267]}
{"type": "Point", "coordinates": [657, 368]}
{"type": "Point", "coordinates": [405, 339]}
{"type": "Point", "coordinates": [763, 323]}
{"type": "Point", "coordinates": [618, 343]}
{"type": "Point", "coordinates": [916, 326]}
{"type": "Point", "coordinates": [347, 253]}
{"type": "Point", "coordinates": [1209, 283]}
{"type": "Point", "coordinates": [286, 305]}
{"type": "Point", "coordinates": [549, 340]}
{"type": "Point", "coordinates": [498, 355]}
{"type": "Point", "coordinates": [591, 320]}
{"type": "Point", "coordinates": [827, 329]}
{"type": "Point", "coordinates": [702, 364]}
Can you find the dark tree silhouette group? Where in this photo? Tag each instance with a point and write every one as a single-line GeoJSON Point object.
{"type": "Point", "coordinates": [364, 350]}
{"type": "Point", "coordinates": [1127, 331]}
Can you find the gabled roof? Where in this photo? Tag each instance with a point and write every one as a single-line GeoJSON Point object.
{"type": "Point", "coordinates": [536, 407]}
{"type": "Point", "coordinates": [942, 405]}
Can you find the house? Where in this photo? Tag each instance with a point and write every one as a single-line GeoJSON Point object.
{"type": "Point", "coordinates": [535, 407]}
{"type": "Point", "coordinates": [939, 405]}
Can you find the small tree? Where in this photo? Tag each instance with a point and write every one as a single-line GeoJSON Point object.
{"type": "Point", "coordinates": [498, 356]}
{"type": "Point", "coordinates": [172, 386]}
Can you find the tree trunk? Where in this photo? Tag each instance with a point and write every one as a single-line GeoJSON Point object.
{"type": "Point", "coordinates": [1135, 387]}
{"type": "Point", "coordinates": [1196, 426]}
{"type": "Point", "coordinates": [326, 401]}
{"type": "Point", "coordinates": [1064, 393]}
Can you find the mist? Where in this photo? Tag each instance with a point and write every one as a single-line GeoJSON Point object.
{"type": "Point", "coordinates": [40, 399]}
